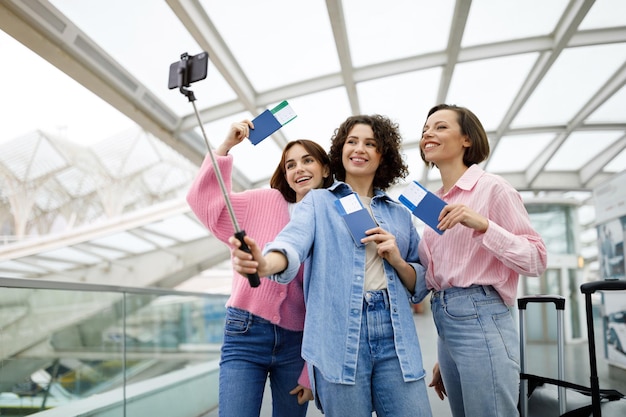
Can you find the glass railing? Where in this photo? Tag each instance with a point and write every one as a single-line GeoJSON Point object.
{"type": "Point", "coordinates": [63, 342]}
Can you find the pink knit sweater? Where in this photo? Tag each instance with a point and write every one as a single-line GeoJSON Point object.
{"type": "Point", "coordinates": [262, 213]}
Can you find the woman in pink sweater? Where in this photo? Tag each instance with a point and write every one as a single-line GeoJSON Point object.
{"type": "Point", "coordinates": [263, 327]}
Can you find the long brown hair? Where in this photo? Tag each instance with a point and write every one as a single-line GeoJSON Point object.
{"type": "Point", "coordinates": [279, 181]}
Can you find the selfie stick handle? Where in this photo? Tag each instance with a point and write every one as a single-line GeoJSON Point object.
{"type": "Point", "coordinates": [239, 234]}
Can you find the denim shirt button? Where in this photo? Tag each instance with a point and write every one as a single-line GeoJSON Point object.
{"type": "Point", "coordinates": [359, 278]}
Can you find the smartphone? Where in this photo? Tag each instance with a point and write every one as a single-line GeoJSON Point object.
{"type": "Point", "coordinates": [195, 69]}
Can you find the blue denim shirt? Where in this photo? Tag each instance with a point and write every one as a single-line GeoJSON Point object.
{"type": "Point", "coordinates": [334, 278]}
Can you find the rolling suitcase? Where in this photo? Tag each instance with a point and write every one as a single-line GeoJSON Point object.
{"type": "Point", "coordinates": [545, 397]}
{"type": "Point", "coordinates": [533, 384]}
{"type": "Point", "coordinates": [616, 405]}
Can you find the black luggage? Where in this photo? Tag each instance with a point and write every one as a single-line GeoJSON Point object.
{"type": "Point", "coordinates": [545, 397]}
{"type": "Point", "coordinates": [614, 407]}
{"type": "Point", "coordinates": [546, 400]}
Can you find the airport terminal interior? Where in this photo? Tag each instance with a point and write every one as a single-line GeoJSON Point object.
{"type": "Point", "coordinates": [112, 290]}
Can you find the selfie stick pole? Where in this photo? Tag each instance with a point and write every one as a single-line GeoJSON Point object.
{"type": "Point", "coordinates": [239, 234]}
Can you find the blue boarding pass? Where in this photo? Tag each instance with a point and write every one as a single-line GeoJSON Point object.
{"type": "Point", "coordinates": [270, 121]}
{"type": "Point", "coordinates": [424, 205]}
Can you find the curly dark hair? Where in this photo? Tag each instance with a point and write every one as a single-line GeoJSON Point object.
{"type": "Point", "coordinates": [472, 127]}
{"type": "Point", "coordinates": [278, 180]}
{"type": "Point", "coordinates": [388, 140]}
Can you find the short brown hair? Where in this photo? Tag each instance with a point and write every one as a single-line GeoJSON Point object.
{"type": "Point", "coordinates": [471, 126]}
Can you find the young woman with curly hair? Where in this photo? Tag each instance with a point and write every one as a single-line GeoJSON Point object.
{"type": "Point", "coordinates": [360, 341]}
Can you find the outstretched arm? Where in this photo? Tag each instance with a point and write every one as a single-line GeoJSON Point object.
{"type": "Point", "coordinates": [249, 263]}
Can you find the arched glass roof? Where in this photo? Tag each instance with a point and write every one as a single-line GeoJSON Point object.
{"type": "Point", "coordinates": [546, 78]}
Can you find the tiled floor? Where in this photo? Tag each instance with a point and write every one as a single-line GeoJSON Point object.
{"type": "Point", "coordinates": [541, 360]}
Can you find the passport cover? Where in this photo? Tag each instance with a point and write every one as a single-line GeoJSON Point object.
{"type": "Point", "coordinates": [424, 205]}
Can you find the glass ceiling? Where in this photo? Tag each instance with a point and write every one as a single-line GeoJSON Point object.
{"type": "Point", "coordinates": [547, 79]}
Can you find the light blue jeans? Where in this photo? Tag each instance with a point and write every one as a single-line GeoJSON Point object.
{"type": "Point", "coordinates": [478, 351]}
{"type": "Point", "coordinates": [253, 348]}
{"type": "Point", "coordinates": [379, 384]}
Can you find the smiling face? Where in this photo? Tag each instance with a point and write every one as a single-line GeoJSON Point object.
{"type": "Point", "coordinates": [302, 171]}
{"type": "Point", "coordinates": [442, 141]}
{"type": "Point", "coordinates": [360, 155]}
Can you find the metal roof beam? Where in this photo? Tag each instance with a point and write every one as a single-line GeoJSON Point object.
{"type": "Point", "coordinates": [51, 35]}
{"type": "Point", "coordinates": [457, 28]}
{"type": "Point", "coordinates": [340, 33]}
{"type": "Point", "coordinates": [198, 23]}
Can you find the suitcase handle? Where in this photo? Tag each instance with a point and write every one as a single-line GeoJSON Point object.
{"type": "Point", "coordinates": [589, 288]}
{"type": "Point", "coordinates": [606, 285]}
{"type": "Point", "coordinates": [558, 300]}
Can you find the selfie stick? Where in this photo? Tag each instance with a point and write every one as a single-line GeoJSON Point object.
{"type": "Point", "coordinates": [239, 234]}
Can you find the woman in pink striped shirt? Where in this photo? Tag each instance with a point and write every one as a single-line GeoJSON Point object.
{"type": "Point", "coordinates": [473, 268]}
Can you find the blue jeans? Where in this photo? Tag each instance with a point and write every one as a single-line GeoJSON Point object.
{"type": "Point", "coordinates": [253, 348]}
{"type": "Point", "coordinates": [379, 384]}
{"type": "Point", "coordinates": [478, 351]}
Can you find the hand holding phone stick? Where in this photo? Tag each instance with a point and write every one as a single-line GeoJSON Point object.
{"type": "Point", "coordinates": [183, 73]}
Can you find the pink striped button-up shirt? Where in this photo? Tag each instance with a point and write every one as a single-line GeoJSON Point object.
{"type": "Point", "coordinates": [510, 246]}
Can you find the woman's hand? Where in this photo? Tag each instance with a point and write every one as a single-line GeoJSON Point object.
{"type": "Point", "coordinates": [244, 262]}
{"type": "Point", "coordinates": [437, 383]}
{"type": "Point", "coordinates": [453, 214]}
{"type": "Point", "coordinates": [387, 248]}
{"type": "Point", "coordinates": [304, 394]}
{"type": "Point", "coordinates": [386, 245]}
{"type": "Point", "coordinates": [236, 134]}
{"type": "Point", "coordinates": [248, 263]}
